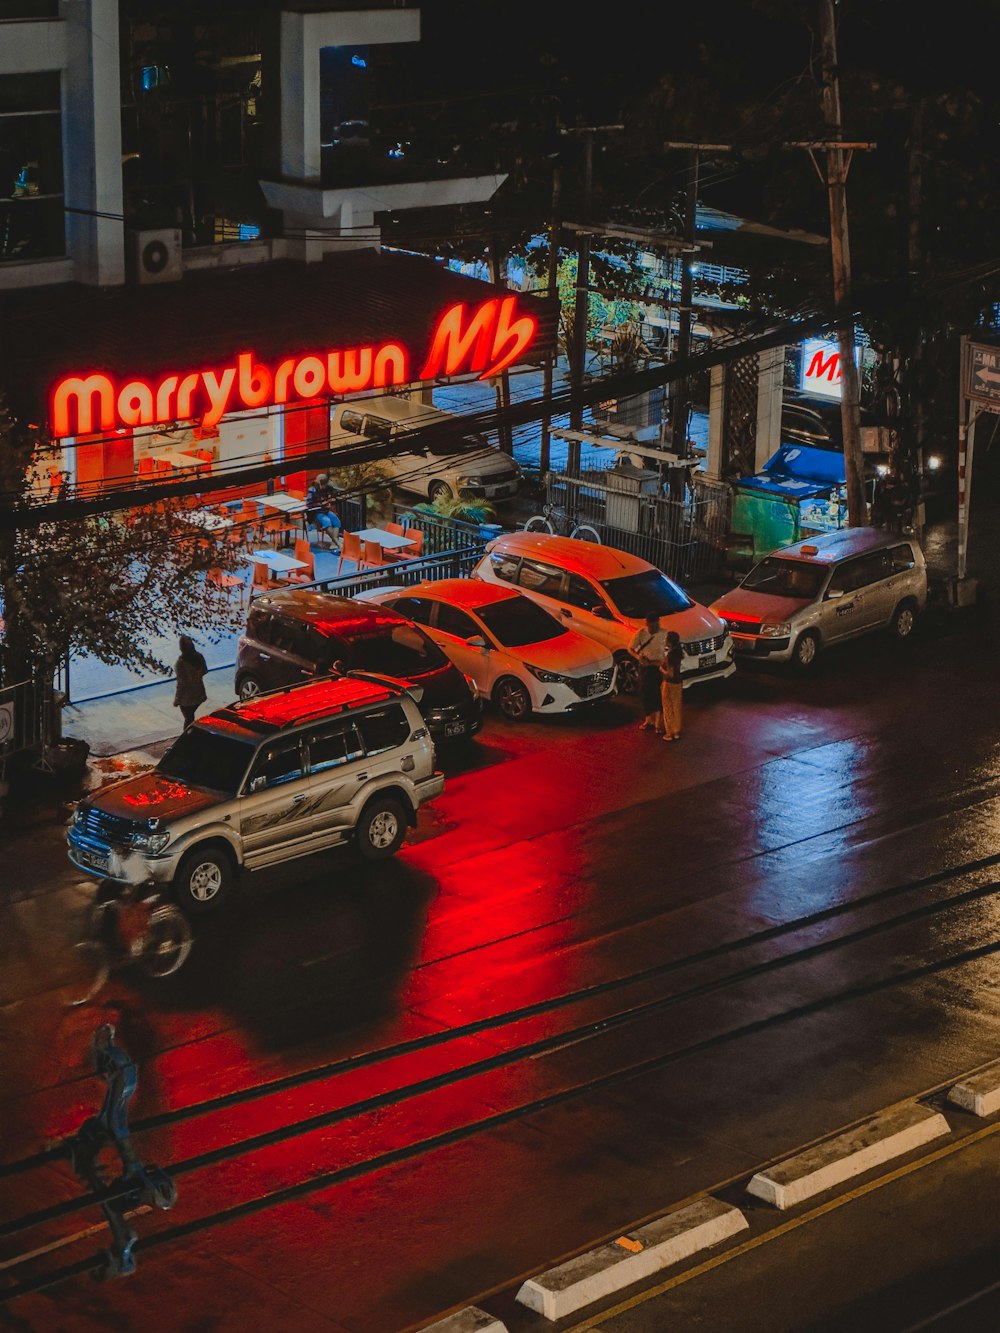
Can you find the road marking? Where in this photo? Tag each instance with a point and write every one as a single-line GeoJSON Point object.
{"type": "Point", "coordinates": [598, 1320]}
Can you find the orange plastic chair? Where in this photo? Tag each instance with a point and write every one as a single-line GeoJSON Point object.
{"type": "Point", "coordinates": [249, 520]}
{"type": "Point", "coordinates": [371, 555]}
{"type": "Point", "coordinates": [416, 543]}
{"type": "Point", "coordinates": [303, 552]}
{"type": "Point", "coordinates": [223, 581]}
{"type": "Point", "coordinates": [262, 581]}
{"type": "Point", "coordinates": [146, 465]}
{"type": "Point", "coordinates": [396, 528]}
{"type": "Point", "coordinates": [350, 549]}
{"type": "Point", "coordinates": [277, 527]}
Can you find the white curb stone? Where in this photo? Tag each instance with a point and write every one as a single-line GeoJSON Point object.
{"type": "Point", "coordinates": [979, 1094]}
{"type": "Point", "coordinates": [820, 1168]}
{"type": "Point", "coordinates": [469, 1320]}
{"type": "Point", "coordinates": [599, 1273]}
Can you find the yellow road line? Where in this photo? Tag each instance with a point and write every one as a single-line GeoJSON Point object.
{"type": "Point", "coordinates": [717, 1260]}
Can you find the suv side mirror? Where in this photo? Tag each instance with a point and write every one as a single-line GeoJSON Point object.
{"type": "Point", "coordinates": [833, 593]}
{"type": "Point", "coordinates": [476, 641]}
{"type": "Point", "coordinates": [257, 784]}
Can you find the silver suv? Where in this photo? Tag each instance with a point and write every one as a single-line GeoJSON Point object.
{"type": "Point", "coordinates": [276, 777]}
{"type": "Point", "coordinates": [801, 598]}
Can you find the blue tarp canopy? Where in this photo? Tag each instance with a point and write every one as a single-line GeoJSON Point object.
{"type": "Point", "coordinates": [797, 472]}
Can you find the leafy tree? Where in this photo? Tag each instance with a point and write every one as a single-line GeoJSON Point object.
{"type": "Point", "coordinates": [109, 585]}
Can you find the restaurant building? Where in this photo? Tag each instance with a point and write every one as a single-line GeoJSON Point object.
{"type": "Point", "coordinates": [162, 318]}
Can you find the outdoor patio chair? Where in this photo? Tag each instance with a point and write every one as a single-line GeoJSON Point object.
{"type": "Point", "coordinates": [372, 556]}
{"type": "Point", "coordinates": [218, 578]}
{"type": "Point", "coordinates": [416, 544]}
{"type": "Point", "coordinates": [350, 549]}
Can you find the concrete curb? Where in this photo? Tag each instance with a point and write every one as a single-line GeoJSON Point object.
{"type": "Point", "coordinates": [602, 1272]}
{"type": "Point", "coordinates": [980, 1093]}
{"type": "Point", "coordinates": [831, 1163]}
{"type": "Point", "coordinates": [469, 1320]}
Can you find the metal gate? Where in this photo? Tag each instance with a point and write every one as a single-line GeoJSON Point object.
{"type": "Point", "coordinates": [686, 538]}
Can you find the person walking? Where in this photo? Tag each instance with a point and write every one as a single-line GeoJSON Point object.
{"type": "Point", "coordinates": [647, 649]}
{"type": "Point", "coordinates": [189, 669]}
{"type": "Point", "coordinates": [673, 689]}
{"type": "Point", "coordinates": [321, 510]}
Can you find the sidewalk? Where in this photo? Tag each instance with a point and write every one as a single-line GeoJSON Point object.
{"type": "Point", "coordinates": [140, 717]}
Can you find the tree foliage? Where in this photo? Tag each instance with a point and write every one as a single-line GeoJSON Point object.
{"type": "Point", "coordinates": [106, 585]}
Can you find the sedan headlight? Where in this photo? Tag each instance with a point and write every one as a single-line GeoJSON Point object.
{"type": "Point", "coordinates": [547, 677]}
{"type": "Point", "coordinates": [771, 630]}
{"type": "Point", "coordinates": [149, 842]}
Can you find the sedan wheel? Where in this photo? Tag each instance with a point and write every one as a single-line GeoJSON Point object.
{"type": "Point", "coordinates": [628, 676]}
{"type": "Point", "coordinates": [512, 698]}
{"type": "Point", "coordinates": [249, 688]}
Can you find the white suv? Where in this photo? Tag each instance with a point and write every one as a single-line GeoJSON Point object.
{"type": "Point", "coordinates": [267, 780]}
{"type": "Point", "coordinates": [607, 594]}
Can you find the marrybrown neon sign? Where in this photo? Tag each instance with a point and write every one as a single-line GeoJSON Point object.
{"type": "Point", "coordinates": [485, 340]}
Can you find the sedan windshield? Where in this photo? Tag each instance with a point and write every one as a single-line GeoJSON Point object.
{"type": "Point", "coordinates": [203, 757]}
{"type": "Point", "coordinates": [785, 578]}
{"type": "Point", "coordinates": [397, 650]}
{"type": "Point", "coordinates": [518, 621]}
{"type": "Point", "coordinates": [649, 594]}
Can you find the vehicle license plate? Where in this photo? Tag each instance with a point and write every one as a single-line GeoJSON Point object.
{"type": "Point", "coordinates": [455, 728]}
{"type": "Point", "coordinates": [93, 860]}
{"type": "Point", "coordinates": [595, 687]}
{"type": "Point", "coordinates": [707, 660]}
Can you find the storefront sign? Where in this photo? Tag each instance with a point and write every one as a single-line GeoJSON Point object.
{"type": "Point", "coordinates": [820, 370]}
{"type": "Point", "coordinates": [484, 339]}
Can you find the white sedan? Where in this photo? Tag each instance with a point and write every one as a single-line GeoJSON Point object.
{"type": "Point", "coordinates": [517, 654]}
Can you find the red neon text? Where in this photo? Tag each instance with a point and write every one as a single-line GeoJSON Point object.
{"type": "Point", "coordinates": [485, 340]}
{"type": "Point", "coordinates": [830, 367]}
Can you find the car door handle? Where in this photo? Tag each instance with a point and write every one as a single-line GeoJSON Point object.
{"type": "Point", "coordinates": [264, 657]}
{"type": "Point", "coordinates": [362, 777]}
{"type": "Point", "coordinates": [297, 800]}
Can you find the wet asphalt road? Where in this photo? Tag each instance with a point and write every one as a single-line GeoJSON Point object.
{"type": "Point", "coordinates": [676, 895]}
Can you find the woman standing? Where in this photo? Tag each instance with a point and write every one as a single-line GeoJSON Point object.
{"type": "Point", "coordinates": [190, 670]}
{"type": "Point", "coordinates": [648, 649]}
{"type": "Point", "coordinates": [673, 688]}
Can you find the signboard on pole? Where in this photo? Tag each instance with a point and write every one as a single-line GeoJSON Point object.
{"type": "Point", "coordinates": [981, 374]}
{"type": "Point", "coordinates": [819, 370]}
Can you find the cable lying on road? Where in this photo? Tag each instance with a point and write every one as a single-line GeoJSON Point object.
{"type": "Point", "coordinates": [396, 1096]}
{"type": "Point", "coordinates": [422, 1147]}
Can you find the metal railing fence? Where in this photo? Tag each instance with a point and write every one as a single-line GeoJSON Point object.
{"type": "Point", "coordinates": [685, 537]}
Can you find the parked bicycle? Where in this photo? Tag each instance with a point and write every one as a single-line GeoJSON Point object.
{"type": "Point", "coordinates": [558, 521]}
{"type": "Point", "coordinates": [132, 924]}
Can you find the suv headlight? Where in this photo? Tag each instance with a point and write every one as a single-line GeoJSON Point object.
{"type": "Point", "coordinates": [149, 842]}
{"type": "Point", "coordinates": [771, 630]}
{"type": "Point", "coordinates": [547, 677]}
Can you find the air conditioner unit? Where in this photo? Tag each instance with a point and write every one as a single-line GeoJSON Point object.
{"type": "Point", "coordinates": [155, 256]}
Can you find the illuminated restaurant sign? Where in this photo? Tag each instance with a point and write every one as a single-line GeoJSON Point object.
{"type": "Point", "coordinates": [484, 339]}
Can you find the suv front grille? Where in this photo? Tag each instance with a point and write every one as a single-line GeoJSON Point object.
{"type": "Point", "coordinates": [698, 646]}
{"type": "Point", "coordinates": [584, 686]}
{"type": "Point", "coordinates": [107, 828]}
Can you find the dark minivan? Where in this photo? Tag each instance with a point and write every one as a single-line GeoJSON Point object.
{"type": "Point", "coordinates": [298, 635]}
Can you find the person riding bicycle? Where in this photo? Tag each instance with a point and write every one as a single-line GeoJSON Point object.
{"type": "Point", "coordinates": [125, 910]}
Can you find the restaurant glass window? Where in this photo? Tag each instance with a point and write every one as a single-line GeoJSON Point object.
{"type": "Point", "coordinates": [31, 167]}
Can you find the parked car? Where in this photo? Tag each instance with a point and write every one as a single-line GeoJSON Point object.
{"type": "Point", "coordinates": [607, 594]}
{"type": "Point", "coordinates": [298, 634]}
{"type": "Point", "coordinates": [261, 782]}
{"type": "Point", "coordinates": [520, 656]}
{"type": "Point", "coordinates": [801, 598]}
{"type": "Point", "coordinates": [437, 463]}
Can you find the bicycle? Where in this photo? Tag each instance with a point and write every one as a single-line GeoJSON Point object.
{"type": "Point", "coordinates": [127, 925]}
{"type": "Point", "coordinates": [555, 520]}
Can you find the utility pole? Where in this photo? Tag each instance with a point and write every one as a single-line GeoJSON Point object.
{"type": "Point", "coordinates": [581, 305]}
{"type": "Point", "coordinates": [553, 290]}
{"type": "Point", "coordinates": [502, 381]}
{"type": "Point", "coordinates": [681, 403]}
{"type": "Point", "coordinates": [837, 165]}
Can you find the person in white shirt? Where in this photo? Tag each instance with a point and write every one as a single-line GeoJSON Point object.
{"type": "Point", "coordinates": [648, 648]}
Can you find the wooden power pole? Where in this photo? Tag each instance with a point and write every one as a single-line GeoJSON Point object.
{"type": "Point", "coordinates": [838, 160]}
